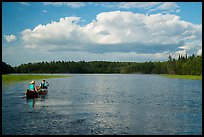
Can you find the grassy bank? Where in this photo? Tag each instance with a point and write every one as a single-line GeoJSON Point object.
{"type": "Point", "coordinates": [193, 77]}
{"type": "Point", "coordinates": [24, 77]}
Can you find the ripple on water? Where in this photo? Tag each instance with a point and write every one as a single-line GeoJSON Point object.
{"type": "Point", "coordinates": [106, 104]}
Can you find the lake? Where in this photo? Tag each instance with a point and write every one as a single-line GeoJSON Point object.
{"type": "Point", "coordinates": [112, 104]}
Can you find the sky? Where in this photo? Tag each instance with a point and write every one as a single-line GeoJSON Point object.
{"type": "Point", "coordinates": [99, 31]}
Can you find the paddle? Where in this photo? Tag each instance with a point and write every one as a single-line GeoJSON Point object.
{"type": "Point", "coordinates": [37, 92]}
{"type": "Point", "coordinates": [24, 94]}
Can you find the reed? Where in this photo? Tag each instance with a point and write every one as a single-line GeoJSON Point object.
{"type": "Point", "coordinates": [192, 77]}
{"type": "Point", "coordinates": [24, 77]}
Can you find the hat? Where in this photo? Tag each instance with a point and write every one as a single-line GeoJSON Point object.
{"type": "Point", "coordinates": [32, 82]}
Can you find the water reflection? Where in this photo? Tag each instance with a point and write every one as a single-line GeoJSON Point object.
{"type": "Point", "coordinates": [31, 102]}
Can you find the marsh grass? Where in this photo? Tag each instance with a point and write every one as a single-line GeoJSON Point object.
{"type": "Point", "coordinates": [192, 77]}
{"type": "Point", "coordinates": [24, 77]}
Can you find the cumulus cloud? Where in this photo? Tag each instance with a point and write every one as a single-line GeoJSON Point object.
{"type": "Point", "coordinates": [69, 4]}
{"type": "Point", "coordinates": [10, 38]}
{"type": "Point", "coordinates": [116, 31]}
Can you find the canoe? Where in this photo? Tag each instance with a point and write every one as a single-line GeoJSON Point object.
{"type": "Point", "coordinates": [42, 91]}
{"type": "Point", "coordinates": [31, 94]}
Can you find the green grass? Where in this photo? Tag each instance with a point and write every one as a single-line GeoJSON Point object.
{"type": "Point", "coordinates": [192, 77]}
{"type": "Point", "coordinates": [24, 77]}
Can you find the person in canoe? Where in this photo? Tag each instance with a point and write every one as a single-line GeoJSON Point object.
{"type": "Point", "coordinates": [32, 86]}
{"type": "Point", "coordinates": [32, 90]}
{"type": "Point", "coordinates": [43, 84]}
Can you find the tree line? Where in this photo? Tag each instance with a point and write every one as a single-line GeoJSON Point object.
{"type": "Point", "coordinates": [6, 68]}
{"type": "Point", "coordinates": [191, 65]}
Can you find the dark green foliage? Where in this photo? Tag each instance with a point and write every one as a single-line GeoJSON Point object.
{"type": "Point", "coordinates": [191, 65]}
{"type": "Point", "coordinates": [160, 68]}
{"type": "Point", "coordinates": [183, 66]}
{"type": "Point", "coordinates": [6, 69]}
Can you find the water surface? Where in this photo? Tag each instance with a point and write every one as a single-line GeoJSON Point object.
{"type": "Point", "coordinates": [105, 104]}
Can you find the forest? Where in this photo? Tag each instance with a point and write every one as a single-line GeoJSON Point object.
{"type": "Point", "coordinates": [184, 65]}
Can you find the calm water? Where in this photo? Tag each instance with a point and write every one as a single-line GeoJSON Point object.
{"type": "Point", "coordinates": [105, 104]}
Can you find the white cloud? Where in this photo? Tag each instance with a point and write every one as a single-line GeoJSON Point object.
{"type": "Point", "coordinates": [116, 31]}
{"type": "Point", "coordinates": [44, 11]}
{"type": "Point", "coordinates": [69, 4]}
{"type": "Point", "coordinates": [9, 55]}
{"type": "Point", "coordinates": [51, 35]}
{"type": "Point", "coordinates": [199, 52]}
{"type": "Point", "coordinates": [25, 3]}
{"type": "Point", "coordinates": [166, 7]}
{"type": "Point", "coordinates": [10, 38]}
{"type": "Point", "coordinates": [191, 47]}
{"type": "Point", "coordinates": [145, 5]}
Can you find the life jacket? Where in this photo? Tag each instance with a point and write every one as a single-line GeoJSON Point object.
{"type": "Point", "coordinates": [31, 87]}
{"type": "Point", "coordinates": [43, 85]}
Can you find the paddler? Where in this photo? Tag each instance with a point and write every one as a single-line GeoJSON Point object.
{"type": "Point", "coordinates": [32, 86]}
{"type": "Point", "coordinates": [43, 84]}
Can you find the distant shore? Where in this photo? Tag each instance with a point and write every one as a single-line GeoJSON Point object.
{"type": "Point", "coordinates": [193, 77]}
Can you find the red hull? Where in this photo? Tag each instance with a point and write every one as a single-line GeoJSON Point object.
{"type": "Point", "coordinates": [31, 94]}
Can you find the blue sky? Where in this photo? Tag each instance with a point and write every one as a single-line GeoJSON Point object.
{"type": "Point", "coordinates": [111, 31]}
